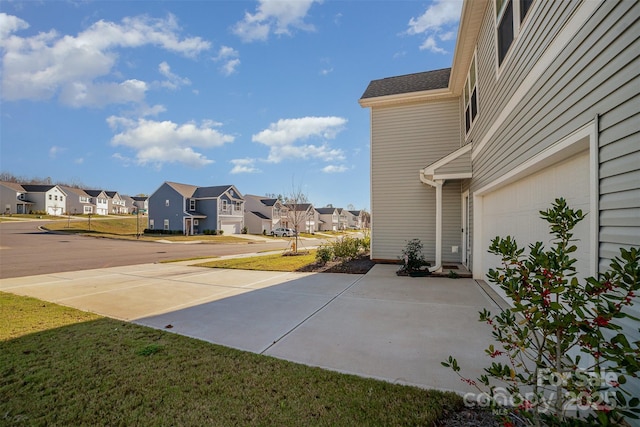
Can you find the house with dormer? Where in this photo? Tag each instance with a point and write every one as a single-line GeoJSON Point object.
{"type": "Point", "coordinates": [191, 209]}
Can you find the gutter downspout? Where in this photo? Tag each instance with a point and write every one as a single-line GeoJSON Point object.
{"type": "Point", "coordinates": [437, 184]}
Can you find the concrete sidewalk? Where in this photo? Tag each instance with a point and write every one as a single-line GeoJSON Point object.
{"type": "Point", "coordinates": [378, 325]}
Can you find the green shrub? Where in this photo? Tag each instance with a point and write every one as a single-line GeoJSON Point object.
{"type": "Point", "coordinates": [245, 230]}
{"type": "Point", "coordinates": [412, 256]}
{"type": "Point", "coordinates": [324, 254]}
{"type": "Point", "coordinates": [346, 248]}
{"type": "Point", "coordinates": [221, 232]}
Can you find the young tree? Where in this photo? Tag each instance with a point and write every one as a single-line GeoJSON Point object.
{"type": "Point", "coordinates": [298, 206]}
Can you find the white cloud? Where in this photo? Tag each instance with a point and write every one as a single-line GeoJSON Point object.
{"type": "Point", "coordinates": [229, 58]}
{"type": "Point", "coordinates": [157, 142]}
{"type": "Point", "coordinates": [440, 19]}
{"type": "Point", "coordinates": [282, 138]}
{"type": "Point", "coordinates": [277, 16]}
{"type": "Point", "coordinates": [80, 69]}
{"type": "Point", "coordinates": [173, 81]}
{"type": "Point", "coordinates": [334, 169]}
{"type": "Point", "coordinates": [245, 165]}
{"type": "Point", "coordinates": [54, 150]}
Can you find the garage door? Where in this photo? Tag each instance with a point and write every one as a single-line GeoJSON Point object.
{"type": "Point", "coordinates": [230, 227]}
{"type": "Point", "coordinates": [514, 209]}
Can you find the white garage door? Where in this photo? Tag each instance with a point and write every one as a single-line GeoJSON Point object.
{"type": "Point", "coordinates": [514, 209]}
{"type": "Point", "coordinates": [230, 227]}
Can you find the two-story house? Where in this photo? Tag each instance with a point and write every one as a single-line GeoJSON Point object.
{"type": "Point", "coordinates": [14, 199]}
{"type": "Point", "coordinates": [192, 209]}
{"type": "Point", "coordinates": [263, 214]}
{"type": "Point", "coordinates": [78, 201]}
{"type": "Point", "coordinates": [99, 200]}
{"type": "Point", "coordinates": [541, 101]}
{"type": "Point", "coordinates": [141, 204]}
{"type": "Point", "coordinates": [329, 219]}
{"type": "Point", "coordinates": [47, 198]}
{"type": "Point", "coordinates": [303, 217]}
{"type": "Point", "coordinates": [355, 219]}
{"type": "Point", "coordinates": [116, 203]}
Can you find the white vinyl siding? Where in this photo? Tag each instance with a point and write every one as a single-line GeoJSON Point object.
{"type": "Point", "coordinates": [405, 139]}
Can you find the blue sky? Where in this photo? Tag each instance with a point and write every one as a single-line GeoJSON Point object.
{"type": "Point", "coordinates": [263, 95]}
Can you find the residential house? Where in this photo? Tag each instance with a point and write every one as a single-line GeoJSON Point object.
{"type": "Point", "coordinates": [343, 222]}
{"type": "Point", "coordinates": [141, 203]}
{"type": "Point", "coordinates": [129, 204]}
{"type": "Point", "coordinates": [13, 199]}
{"type": "Point", "coordinates": [192, 209]}
{"type": "Point", "coordinates": [303, 217]}
{"type": "Point", "coordinates": [47, 198]}
{"type": "Point", "coordinates": [541, 101]}
{"type": "Point", "coordinates": [78, 201]}
{"type": "Point", "coordinates": [100, 201]}
{"type": "Point", "coordinates": [355, 220]}
{"type": "Point", "coordinates": [329, 219]}
{"type": "Point", "coordinates": [117, 205]}
{"type": "Point", "coordinates": [263, 214]}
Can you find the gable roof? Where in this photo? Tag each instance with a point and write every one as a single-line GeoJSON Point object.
{"type": "Point", "coordinates": [417, 82]}
{"type": "Point", "coordinates": [94, 193]}
{"type": "Point", "coordinates": [38, 188]}
{"type": "Point", "coordinates": [185, 190]}
{"type": "Point", "coordinates": [75, 190]}
{"type": "Point", "coordinates": [325, 211]}
{"type": "Point", "coordinates": [259, 215]}
{"type": "Point", "coordinates": [13, 185]}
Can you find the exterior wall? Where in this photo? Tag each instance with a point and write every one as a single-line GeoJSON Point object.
{"type": "Point", "coordinates": [208, 207]}
{"type": "Point", "coordinates": [158, 211]}
{"type": "Point", "coordinates": [594, 74]}
{"type": "Point", "coordinates": [8, 200]}
{"type": "Point", "coordinates": [405, 139]}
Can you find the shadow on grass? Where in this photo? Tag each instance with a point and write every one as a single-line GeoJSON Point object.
{"type": "Point", "coordinates": [109, 372]}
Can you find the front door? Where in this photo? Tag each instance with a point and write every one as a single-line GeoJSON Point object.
{"type": "Point", "coordinates": [187, 227]}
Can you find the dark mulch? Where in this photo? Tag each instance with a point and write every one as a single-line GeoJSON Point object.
{"type": "Point", "coordinates": [360, 265]}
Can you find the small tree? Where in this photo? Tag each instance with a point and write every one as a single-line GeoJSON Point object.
{"type": "Point", "coordinates": [555, 321]}
{"type": "Point", "coordinates": [297, 204]}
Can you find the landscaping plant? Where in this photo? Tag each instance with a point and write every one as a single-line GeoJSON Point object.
{"type": "Point", "coordinates": [561, 357]}
{"type": "Point", "coordinates": [412, 257]}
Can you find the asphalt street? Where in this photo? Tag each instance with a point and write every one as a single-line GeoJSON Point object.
{"type": "Point", "coordinates": [26, 250]}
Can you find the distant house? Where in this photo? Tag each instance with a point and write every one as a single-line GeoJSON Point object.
{"type": "Point", "coordinates": [13, 199]}
{"type": "Point", "coordinates": [191, 209]}
{"type": "Point", "coordinates": [141, 203]}
{"type": "Point", "coordinates": [47, 198]}
{"type": "Point", "coordinates": [78, 201]}
{"type": "Point", "coordinates": [303, 217]}
{"type": "Point", "coordinates": [329, 219]}
{"type": "Point", "coordinates": [116, 203]}
{"type": "Point", "coordinates": [100, 201]}
{"type": "Point", "coordinates": [263, 214]}
{"type": "Point", "coordinates": [355, 219]}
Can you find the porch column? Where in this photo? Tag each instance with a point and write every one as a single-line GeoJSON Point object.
{"type": "Point", "coordinates": [438, 266]}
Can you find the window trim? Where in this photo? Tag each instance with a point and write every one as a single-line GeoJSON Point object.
{"type": "Point", "coordinates": [518, 22]}
{"type": "Point", "coordinates": [192, 204]}
{"type": "Point", "coordinates": [468, 91]}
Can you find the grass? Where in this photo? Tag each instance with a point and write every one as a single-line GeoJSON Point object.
{"type": "Point", "coordinates": [125, 228]}
{"type": "Point", "coordinates": [59, 366]}
{"type": "Point", "coordinates": [274, 262]}
{"type": "Point", "coordinates": [17, 217]}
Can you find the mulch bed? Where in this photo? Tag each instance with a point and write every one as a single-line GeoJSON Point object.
{"type": "Point", "coordinates": [360, 265]}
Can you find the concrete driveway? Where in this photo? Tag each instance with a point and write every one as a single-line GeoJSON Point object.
{"type": "Point", "coordinates": [377, 325]}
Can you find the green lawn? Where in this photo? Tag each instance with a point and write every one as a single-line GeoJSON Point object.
{"type": "Point", "coordinates": [275, 262]}
{"type": "Point", "coordinates": [60, 366]}
{"type": "Point", "coordinates": [125, 228]}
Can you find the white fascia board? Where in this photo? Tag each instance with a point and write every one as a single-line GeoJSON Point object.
{"type": "Point", "coordinates": [404, 98]}
{"type": "Point", "coordinates": [429, 170]}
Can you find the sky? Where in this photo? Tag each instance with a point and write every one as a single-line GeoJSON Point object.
{"type": "Point", "coordinates": [263, 95]}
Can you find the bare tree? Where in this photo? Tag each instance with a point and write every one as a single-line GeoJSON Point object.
{"type": "Point", "coordinates": [298, 206]}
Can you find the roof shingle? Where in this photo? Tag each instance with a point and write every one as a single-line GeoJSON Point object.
{"type": "Point", "coordinates": [418, 82]}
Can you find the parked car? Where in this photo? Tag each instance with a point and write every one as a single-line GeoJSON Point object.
{"type": "Point", "coordinates": [283, 232]}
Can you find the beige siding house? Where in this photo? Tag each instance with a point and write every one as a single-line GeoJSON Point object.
{"type": "Point", "coordinates": [542, 101]}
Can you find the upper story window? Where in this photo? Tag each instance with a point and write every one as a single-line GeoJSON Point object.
{"type": "Point", "coordinates": [166, 203]}
{"type": "Point", "coordinates": [510, 15]}
{"type": "Point", "coordinates": [224, 205]}
{"type": "Point", "coordinates": [192, 204]}
{"type": "Point", "coordinates": [471, 96]}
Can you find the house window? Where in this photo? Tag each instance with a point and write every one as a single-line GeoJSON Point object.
{"type": "Point", "coordinates": [166, 224]}
{"type": "Point", "coordinates": [61, 199]}
{"type": "Point", "coordinates": [224, 205]}
{"type": "Point", "coordinates": [196, 222]}
{"type": "Point", "coordinates": [151, 225]}
{"type": "Point", "coordinates": [166, 203]}
{"type": "Point", "coordinates": [88, 209]}
{"type": "Point", "coordinates": [237, 206]}
{"type": "Point", "coordinates": [50, 197]}
{"type": "Point", "coordinates": [510, 14]}
{"type": "Point", "coordinates": [192, 204]}
{"type": "Point", "coordinates": [471, 96]}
